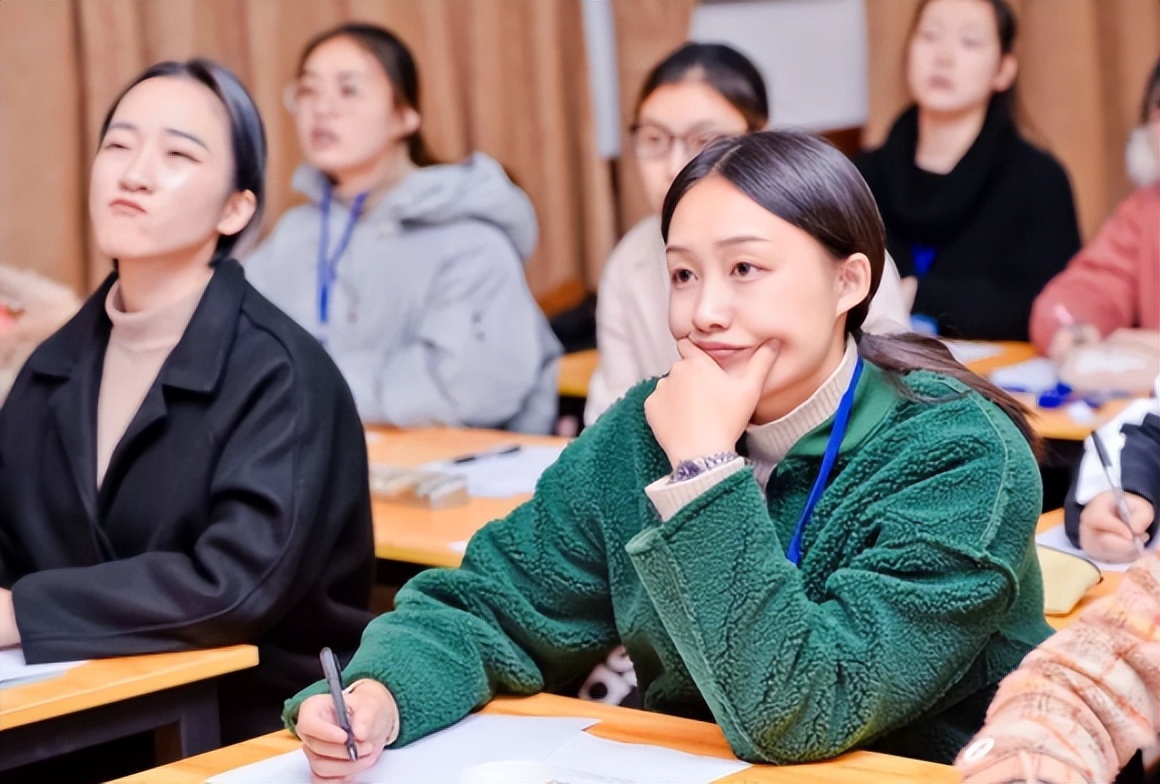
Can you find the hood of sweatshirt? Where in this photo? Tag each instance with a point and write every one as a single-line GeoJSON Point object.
{"type": "Point", "coordinates": [476, 188]}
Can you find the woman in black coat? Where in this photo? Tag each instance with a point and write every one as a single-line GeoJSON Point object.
{"type": "Point", "coordinates": [976, 218]}
{"type": "Point", "coordinates": [231, 504]}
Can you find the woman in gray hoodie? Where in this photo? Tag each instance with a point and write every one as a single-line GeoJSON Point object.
{"type": "Point", "coordinates": [410, 274]}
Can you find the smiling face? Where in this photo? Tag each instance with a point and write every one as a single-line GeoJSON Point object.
{"type": "Point", "coordinates": [741, 276]}
{"type": "Point", "coordinates": [692, 110]}
{"type": "Point", "coordinates": [346, 113]}
{"type": "Point", "coordinates": [162, 181]}
{"type": "Point", "coordinates": [954, 61]}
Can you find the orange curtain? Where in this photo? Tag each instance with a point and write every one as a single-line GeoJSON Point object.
{"type": "Point", "coordinates": [507, 77]}
{"type": "Point", "coordinates": [1083, 65]}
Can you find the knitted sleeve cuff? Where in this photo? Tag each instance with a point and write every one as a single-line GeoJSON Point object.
{"type": "Point", "coordinates": [669, 498]}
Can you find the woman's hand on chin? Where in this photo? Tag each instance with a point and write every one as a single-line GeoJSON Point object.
{"type": "Point", "coordinates": [700, 408]}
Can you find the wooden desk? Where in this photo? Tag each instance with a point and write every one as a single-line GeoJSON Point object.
{"type": "Point", "coordinates": [620, 724]}
{"type": "Point", "coordinates": [434, 537]}
{"type": "Point", "coordinates": [1053, 423]}
{"type": "Point", "coordinates": [1107, 584]}
{"type": "Point", "coordinates": [576, 370]}
{"type": "Point", "coordinates": [112, 698]}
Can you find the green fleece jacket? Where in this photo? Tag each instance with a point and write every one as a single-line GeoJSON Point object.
{"type": "Point", "coordinates": [918, 589]}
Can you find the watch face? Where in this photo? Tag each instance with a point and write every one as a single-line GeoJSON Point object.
{"type": "Point", "coordinates": [687, 469]}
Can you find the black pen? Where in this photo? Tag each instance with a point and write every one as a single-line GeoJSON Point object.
{"type": "Point", "coordinates": [499, 450]}
{"type": "Point", "coordinates": [1122, 510]}
{"type": "Point", "coordinates": [334, 681]}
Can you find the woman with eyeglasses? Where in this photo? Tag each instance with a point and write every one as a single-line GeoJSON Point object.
{"type": "Point", "coordinates": [410, 273]}
{"type": "Point", "coordinates": [699, 93]}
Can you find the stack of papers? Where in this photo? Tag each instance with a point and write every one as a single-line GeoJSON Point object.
{"type": "Point", "coordinates": [559, 744]}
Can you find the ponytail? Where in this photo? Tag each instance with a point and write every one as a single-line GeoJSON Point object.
{"type": "Point", "coordinates": [905, 352]}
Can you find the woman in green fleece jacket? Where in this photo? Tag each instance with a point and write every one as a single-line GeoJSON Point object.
{"type": "Point", "coordinates": [862, 578]}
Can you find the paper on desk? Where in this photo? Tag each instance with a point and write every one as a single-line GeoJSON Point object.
{"type": "Point", "coordinates": [573, 756]}
{"type": "Point", "coordinates": [14, 670]}
{"type": "Point", "coordinates": [1034, 375]}
{"type": "Point", "coordinates": [1057, 538]}
{"type": "Point", "coordinates": [967, 351]}
{"type": "Point", "coordinates": [586, 758]}
{"type": "Point", "coordinates": [437, 758]}
{"type": "Point", "coordinates": [501, 476]}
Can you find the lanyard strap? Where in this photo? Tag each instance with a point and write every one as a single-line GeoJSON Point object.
{"type": "Point", "coordinates": [328, 263]}
{"type": "Point", "coordinates": [923, 258]}
{"type": "Point", "coordinates": [794, 553]}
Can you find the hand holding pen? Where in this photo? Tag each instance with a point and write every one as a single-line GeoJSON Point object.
{"type": "Point", "coordinates": [371, 719]}
{"type": "Point", "coordinates": [1112, 524]}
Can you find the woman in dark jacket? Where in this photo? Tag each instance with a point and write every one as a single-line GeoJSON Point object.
{"type": "Point", "coordinates": [181, 465]}
{"type": "Point", "coordinates": [977, 218]}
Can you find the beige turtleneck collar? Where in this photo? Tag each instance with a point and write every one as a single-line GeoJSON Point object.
{"type": "Point", "coordinates": [768, 444]}
{"type": "Point", "coordinates": [139, 343]}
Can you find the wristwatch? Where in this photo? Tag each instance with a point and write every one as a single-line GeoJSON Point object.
{"type": "Point", "coordinates": [687, 469]}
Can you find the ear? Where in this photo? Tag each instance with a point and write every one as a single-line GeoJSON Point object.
{"type": "Point", "coordinates": [1005, 76]}
{"type": "Point", "coordinates": [411, 120]}
{"type": "Point", "coordinates": [852, 282]}
{"type": "Point", "coordinates": [240, 207]}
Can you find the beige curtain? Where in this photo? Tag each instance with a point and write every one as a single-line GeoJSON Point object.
{"type": "Point", "coordinates": [507, 77]}
{"type": "Point", "coordinates": [504, 76]}
{"type": "Point", "coordinates": [1083, 65]}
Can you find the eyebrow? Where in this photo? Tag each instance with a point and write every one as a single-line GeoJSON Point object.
{"type": "Point", "coordinates": [340, 75]}
{"type": "Point", "coordinates": [727, 242]}
{"type": "Point", "coordinates": [125, 126]}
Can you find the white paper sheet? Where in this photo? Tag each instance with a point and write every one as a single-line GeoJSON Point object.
{"type": "Point", "coordinates": [573, 756]}
{"type": "Point", "coordinates": [1057, 538]}
{"type": "Point", "coordinates": [436, 758]}
{"type": "Point", "coordinates": [14, 670]}
{"type": "Point", "coordinates": [966, 351]}
{"type": "Point", "coordinates": [501, 476]}
{"type": "Point", "coordinates": [1033, 375]}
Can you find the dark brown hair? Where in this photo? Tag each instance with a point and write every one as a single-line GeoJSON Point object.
{"type": "Point", "coordinates": [724, 69]}
{"type": "Point", "coordinates": [397, 63]}
{"type": "Point", "coordinates": [807, 183]}
{"type": "Point", "coordinates": [1151, 93]}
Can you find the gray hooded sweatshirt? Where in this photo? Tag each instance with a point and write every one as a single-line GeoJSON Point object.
{"type": "Point", "coordinates": [430, 320]}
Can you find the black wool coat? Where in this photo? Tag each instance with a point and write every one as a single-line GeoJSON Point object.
{"type": "Point", "coordinates": [235, 509]}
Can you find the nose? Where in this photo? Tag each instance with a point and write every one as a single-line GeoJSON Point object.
{"type": "Point", "coordinates": [323, 103]}
{"type": "Point", "coordinates": [713, 311]}
{"type": "Point", "coordinates": [137, 175]}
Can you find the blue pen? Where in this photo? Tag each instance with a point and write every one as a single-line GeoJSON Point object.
{"type": "Point", "coordinates": [334, 682]}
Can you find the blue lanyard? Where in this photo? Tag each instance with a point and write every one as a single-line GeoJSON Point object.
{"type": "Point", "coordinates": [923, 258]}
{"type": "Point", "coordinates": [794, 553]}
{"type": "Point", "coordinates": [328, 264]}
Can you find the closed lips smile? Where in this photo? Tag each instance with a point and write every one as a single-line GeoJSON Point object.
{"type": "Point", "coordinates": [127, 206]}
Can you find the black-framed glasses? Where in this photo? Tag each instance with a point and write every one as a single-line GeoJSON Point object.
{"type": "Point", "coordinates": [650, 141]}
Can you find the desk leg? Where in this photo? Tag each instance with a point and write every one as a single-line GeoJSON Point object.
{"type": "Point", "coordinates": [197, 728]}
{"type": "Point", "coordinates": [187, 717]}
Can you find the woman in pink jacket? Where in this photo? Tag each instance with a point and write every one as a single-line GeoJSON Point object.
{"type": "Point", "coordinates": [1114, 281]}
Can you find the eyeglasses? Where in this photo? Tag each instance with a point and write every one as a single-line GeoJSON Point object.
{"type": "Point", "coordinates": [305, 94]}
{"type": "Point", "coordinates": [651, 141]}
